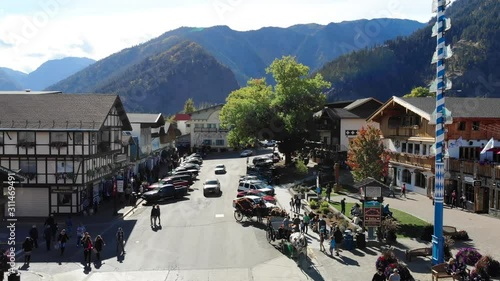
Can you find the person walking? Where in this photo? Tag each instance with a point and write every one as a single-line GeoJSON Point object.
{"type": "Point", "coordinates": [120, 242]}
{"type": "Point", "coordinates": [395, 275]}
{"type": "Point", "coordinates": [87, 249]}
{"type": "Point", "coordinates": [332, 243]}
{"type": "Point", "coordinates": [292, 204]}
{"type": "Point", "coordinates": [339, 237]}
{"type": "Point", "coordinates": [453, 199]}
{"type": "Point", "coordinates": [321, 241]}
{"type": "Point", "coordinates": [98, 246]}
{"type": "Point", "coordinates": [391, 190]}
{"type": "Point", "coordinates": [152, 217]}
{"type": "Point", "coordinates": [379, 275]}
{"type": "Point", "coordinates": [62, 239]}
{"type": "Point", "coordinates": [297, 204]}
{"type": "Point", "coordinates": [296, 223]}
{"type": "Point", "coordinates": [34, 235]}
{"type": "Point", "coordinates": [342, 206]}
{"type": "Point", "coordinates": [158, 213]}
{"type": "Point", "coordinates": [463, 202]}
{"type": "Point", "coordinates": [80, 233]}
{"type": "Point", "coordinates": [27, 248]}
{"type": "Point", "coordinates": [329, 191]}
{"type": "Point", "coordinates": [50, 221]}
{"type": "Point", "coordinates": [306, 220]}
{"type": "Point", "coordinates": [403, 190]}
{"type": "Point", "coordinates": [47, 235]}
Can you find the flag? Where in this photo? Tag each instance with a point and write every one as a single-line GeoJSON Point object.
{"type": "Point", "coordinates": [488, 146]}
{"type": "Point", "coordinates": [432, 149]}
{"type": "Point", "coordinates": [458, 143]}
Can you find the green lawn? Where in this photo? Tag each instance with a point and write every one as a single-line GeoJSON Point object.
{"type": "Point", "coordinates": [410, 226]}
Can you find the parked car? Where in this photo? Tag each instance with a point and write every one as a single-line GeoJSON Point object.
{"type": "Point", "coordinates": [269, 143]}
{"type": "Point", "coordinates": [190, 166]}
{"type": "Point", "coordinates": [183, 169]}
{"type": "Point", "coordinates": [260, 193]}
{"type": "Point", "coordinates": [246, 153]}
{"type": "Point", "coordinates": [255, 185]}
{"type": "Point", "coordinates": [165, 181]}
{"type": "Point", "coordinates": [248, 178]}
{"type": "Point", "coordinates": [220, 169]}
{"type": "Point", "coordinates": [189, 173]}
{"type": "Point", "coordinates": [187, 178]}
{"type": "Point", "coordinates": [211, 186]}
{"type": "Point", "coordinates": [194, 160]}
{"type": "Point", "coordinates": [164, 192]}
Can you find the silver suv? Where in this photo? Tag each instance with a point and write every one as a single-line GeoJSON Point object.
{"type": "Point", "coordinates": [255, 185]}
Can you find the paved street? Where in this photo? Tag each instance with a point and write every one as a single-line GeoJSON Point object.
{"type": "Point", "coordinates": [199, 240]}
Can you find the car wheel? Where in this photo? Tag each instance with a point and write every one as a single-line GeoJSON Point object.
{"type": "Point", "coordinates": [205, 193]}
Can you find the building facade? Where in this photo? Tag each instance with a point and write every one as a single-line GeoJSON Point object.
{"type": "Point", "coordinates": [206, 132]}
{"type": "Point", "coordinates": [64, 154]}
{"type": "Point", "coordinates": [409, 139]}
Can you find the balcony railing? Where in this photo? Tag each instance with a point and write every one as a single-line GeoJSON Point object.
{"type": "Point", "coordinates": [483, 170]}
{"type": "Point", "coordinates": [205, 130]}
{"type": "Point", "coordinates": [410, 159]}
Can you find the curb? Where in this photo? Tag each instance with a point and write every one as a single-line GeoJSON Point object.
{"type": "Point", "coordinates": [139, 202]}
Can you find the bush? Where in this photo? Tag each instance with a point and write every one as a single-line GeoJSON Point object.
{"type": "Point", "coordinates": [427, 233]}
{"type": "Point", "coordinates": [469, 256]}
{"type": "Point", "coordinates": [313, 204]}
{"type": "Point", "coordinates": [460, 235]}
{"type": "Point", "coordinates": [324, 204]}
{"type": "Point", "coordinates": [324, 210]}
{"type": "Point", "coordinates": [301, 167]}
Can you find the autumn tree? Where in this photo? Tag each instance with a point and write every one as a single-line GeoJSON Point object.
{"type": "Point", "coordinates": [366, 155]}
{"type": "Point", "coordinates": [189, 106]}
{"type": "Point", "coordinates": [419, 92]}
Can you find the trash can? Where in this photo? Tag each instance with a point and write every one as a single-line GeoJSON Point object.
{"type": "Point", "coordinates": [360, 240]}
{"type": "Point", "coordinates": [348, 240]}
{"type": "Point", "coordinates": [14, 276]}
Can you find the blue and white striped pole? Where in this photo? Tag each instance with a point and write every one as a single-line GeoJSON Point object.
{"type": "Point", "coordinates": [437, 238]}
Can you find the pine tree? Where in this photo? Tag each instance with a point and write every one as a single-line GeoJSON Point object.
{"type": "Point", "coordinates": [189, 106]}
{"type": "Point", "coordinates": [366, 155]}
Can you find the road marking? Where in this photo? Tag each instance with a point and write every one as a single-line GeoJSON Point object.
{"type": "Point", "coordinates": [219, 215]}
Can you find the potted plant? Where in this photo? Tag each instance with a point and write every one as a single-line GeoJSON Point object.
{"type": "Point", "coordinates": [389, 229]}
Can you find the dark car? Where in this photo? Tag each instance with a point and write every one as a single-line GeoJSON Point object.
{"type": "Point", "coordinates": [165, 181]}
{"type": "Point", "coordinates": [187, 178]}
{"type": "Point", "coordinates": [164, 192]}
{"type": "Point", "coordinates": [266, 197]}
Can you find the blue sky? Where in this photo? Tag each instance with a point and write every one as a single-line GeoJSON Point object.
{"type": "Point", "coordinates": [34, 31]}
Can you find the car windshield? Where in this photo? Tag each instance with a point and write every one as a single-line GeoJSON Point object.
{"type": "Point", "coordinates": [211, 182]}
{"type": "Point", "coordinates": [219, 166]}
{"type": "Point", "coordinates": [260, 185]}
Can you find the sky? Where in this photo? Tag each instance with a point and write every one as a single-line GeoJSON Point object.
{"type": "Point", "coordinates": [34, 31]}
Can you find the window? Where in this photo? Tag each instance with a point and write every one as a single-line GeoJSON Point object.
{"type": "Point", "coordinates": [27, 166]}
{"type": "Point", "coordinates": [64, 167]}
{"type": "Point", "coordinates": [416, 149]}
{"type": "Point", "coordinates": [469, 192]}
{"type": "Point", "coordinates": [475, 126]}
{"type": "Point", "coordinates": [214, 126]}
{"type": "Point", "coordinates": [403, 147]}
{"type": "Point", "coordinates": [410, 148]}
{"type": "Point", "coordinates": [26, 137]}
{"type": "Point", "coordinates": [394, 122]}
{"type": "Point", "coordinates": [198, 125]}
{"type": "Point", "coordinates": [188, 125]}
{"type": "Point", "coordinates": [410, 120]}
{"type": "Point", "coordinates": [406, 176]}
{"type": "Point", "coordinates": [469, 153]}
{"type": "Point", "coordinates": [58, 139]}
{"type": "Point", "coordinates": [78, 138]}
{"type": "Point", "coordinates": [219, 142]}
{"type": "Point", "coordinates": [1, 138]}
{"type": "Point", "coordinates": [424, 149]}
{"type": "Point", "coordinates": [64, 199]}
{"type": "Point", "coordinates": [207, 142]}
{"type": "Point", "coordinates": [461, 126]}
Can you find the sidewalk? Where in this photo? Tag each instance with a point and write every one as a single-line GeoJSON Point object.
{"type": "Point", "coordinates": [93, 223]}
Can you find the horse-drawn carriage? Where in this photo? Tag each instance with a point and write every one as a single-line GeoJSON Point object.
{"type": "Point", "coordinates": [249, 207]}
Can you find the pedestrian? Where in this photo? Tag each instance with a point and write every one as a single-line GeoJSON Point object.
{"type": "Point", "coordinates": [54, 229]}
{"type": "Point", "coordinates": [339, 237]}
{"type": "Point", "coordinates": [391, 190]}
{"type": "Point", "coordinates": [453, 199]}
{"type": "Point", "coordinates": [62, 239]}
{"type": "Point", "coordinates": [379, 275]}
{"type": "Point", "coordinates": [321, 241]}
{"type": "Point", "coordinates": [50, 221]}
{"type": "Point", "coordinates": [329, 191]}
{"type": "Point", "coordinates": [34, 235]}
{"type": "Point", "coordinates": [302, 226]}
{"type": "Point", "coordinates": [47, 235]}
{"type": "Point", "coordinates": [87, 249]}
{"type": "Point", "coordinates": [322, 225]}
{"type": "Point", "coordinates": [297, 204]}
{"type": "Point", "coordinates": [120, 242]}
{"type": "Point", "coordinates": [463, 202]}
{"type": "Point", "coordinates": [80, 232]}
{"type": "Point", "coordinates": [158, 213]}
{"type": "Point", "coordinates": [403, 190]}
{"type": "Point", "coordinates": [332, 243]}
{"type": "Point", "coordinates": [395, 275]}
{"type": "Point", "coordinates": [27, 248]}
{"type": "Point", "coordinates": [69, 225]}
{"type": "Point", "coordinates": [296, 223]}
{"type": "Point", "coordinates": [98, 246]}
{"type": "Point", "coordinates": [342, 206]}
{"type": "Point", "coordinates": [153, 216]}
{"type": "Point", "coordinates": [286, 223]}
{"type": "Point", "coordinates": [306, 220]}
{"type": "Point", "coordinates": [292, 204]}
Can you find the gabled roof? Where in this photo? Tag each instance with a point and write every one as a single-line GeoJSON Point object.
{"type": "Point", "coordinates": [369, 181]}
{"type": "Point", "coordinates": [459, 107]}
{"type": "Point", "coordinates": [182, 117]}
{"type": "Point", "coordinates": [339, 104]}
{"type": "Point", "coordinates": [336, 113]}
{"type": "Point", "coordinates": [204, 113]}
{"type": "Point", "coordinates": [86, 112]}
{"type": "Point", "coordinates": [29, 92]}
{"type": "Point", "coordinates": [360, 102]}
{"type": "Point", "coordinates": [146, 118]}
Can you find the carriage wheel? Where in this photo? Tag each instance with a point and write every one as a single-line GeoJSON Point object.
{"type": "Point", "coordinates": [238, 216]}
{"type": "Point", "coordinates": [270, 235]}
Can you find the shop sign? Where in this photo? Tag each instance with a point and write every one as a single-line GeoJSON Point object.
{"type": "Point", "coordinates": [373, 214]}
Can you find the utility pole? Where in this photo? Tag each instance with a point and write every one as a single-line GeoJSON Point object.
{"type": "Point", "coordinates": [442, 117]}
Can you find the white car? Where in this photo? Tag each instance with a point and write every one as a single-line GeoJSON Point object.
{"type": "Point", "coordinates": [246, 153]}
{"type": "Point", "coordinates": [211, 186]}
{"type": "Point", "coordinates": [257, 200]}
{"type": "Point", "coordinates": [220, 169]}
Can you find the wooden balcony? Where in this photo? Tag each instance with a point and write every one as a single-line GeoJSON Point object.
{"type": "Point", "coordinates": [483, 170]}
{"type": "Point", "coordinates": [426, 162]}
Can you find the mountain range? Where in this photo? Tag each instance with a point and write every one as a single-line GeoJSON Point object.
{"type": "Point", "coordinates": [48, 73]}
{"type": "Point", "coordinates": [246, 54]}
{"type": "Point", "coordinates": [400, 65]}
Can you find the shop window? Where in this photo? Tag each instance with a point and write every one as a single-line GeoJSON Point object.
{"type": "Point", "coordinates": [469, 192]}
{"type": "Point", "coordinates": [406, 176]}
{"type": "Point", "coordinates": [207, 142]}
{"type": "Point", "coordinates": [475, 126]}
{"type": "Point", "coordinates": [64, 199]}
{"type": "Point", "coordinates": [461, 126]}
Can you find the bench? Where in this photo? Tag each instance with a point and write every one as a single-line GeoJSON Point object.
{"type": "Point", "coordinates": [420, 252]}
{"type": "Point", "coordinates": [439, 272]}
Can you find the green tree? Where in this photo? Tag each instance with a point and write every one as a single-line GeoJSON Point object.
{"type": "Point", "coordinates": [189, 106]}
{"type": "Point", "coordinates": [300, 167]}
{"type": "Point", "coordinates": [366, 155]}
{"type": "Point", "coordinates": [419, 92]}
